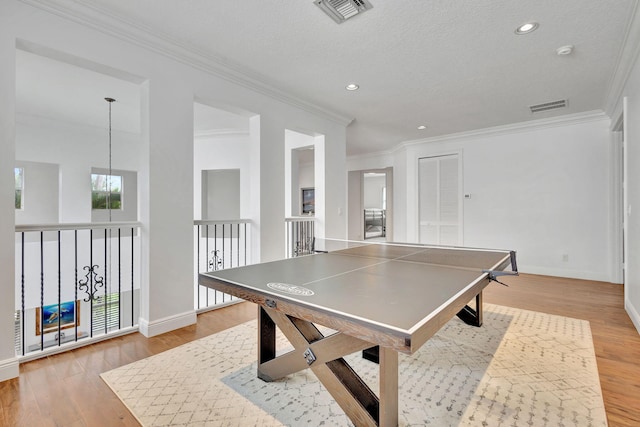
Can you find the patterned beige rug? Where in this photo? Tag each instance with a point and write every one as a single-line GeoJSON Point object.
{"type": "Point", "coordinates": [521, 368]}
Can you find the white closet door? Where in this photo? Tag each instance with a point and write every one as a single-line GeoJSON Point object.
{"type": "Point", "coordinates": [439, 204]}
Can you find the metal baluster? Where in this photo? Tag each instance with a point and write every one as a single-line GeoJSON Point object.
{"type": "Point", "coordinates": [132, 289]}
{"type": "Point", "coordinates": [198, 260]}
{"type": "Point", "coordinates": [91, 282]}
{"type": "Point", "coordinates": [119, 279]}
{"type": "Point", "coordinates": [107, 275]}
{"type": "Point", "coordinates": [215, 251]}
{"type": "Point", "coordinates": [75, 281]}
{"type": "Point", "coordinates": [41, 290]}
{"type": "Point", "coordinates": [223, 256]}
{"type": "Point", "coordinates": [59, 294]}
{"type": "Point", "coordinates": [22, 296]}
{"type": "Point", "coordinates": [206, 290]}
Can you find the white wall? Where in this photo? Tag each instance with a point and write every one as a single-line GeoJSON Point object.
{"type": "Point", "coordinates": [8, 362]}
{"type": "Point", "coordinates": [298, 175]}
{"type": "Point", "coordinates": [169, 86]}
{"type": "Point", "coordinates": [220, 153]}
{"type": "Point", "coordinates": [542, 190]}
{"type": "Point", "coordinates": [372, 191]}
{"type": "Point", "coordinates": [632, 180]}
{"type": "Point", "coordinates": [75, 149]}
{"type": "Point", "coordinates": [40, 195]}
{"type": "Point", "coordinates": [221, 194]}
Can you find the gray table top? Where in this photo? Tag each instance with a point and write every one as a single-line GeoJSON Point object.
{"type": "Point", "coordinates": [396, 287]}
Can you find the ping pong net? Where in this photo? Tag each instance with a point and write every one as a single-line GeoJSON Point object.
{"type": "Point", "coordinates": [446, 256]}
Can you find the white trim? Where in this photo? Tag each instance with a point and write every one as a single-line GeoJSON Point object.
{"type": "Point", "coordinates": [50, 351]}
{"type": "Point", "coordinates": [616, 208]}
{"type": "Point", "coordinates": [627, 57]}
{"type": "Point", "coordinates": [171, 323]}
{"type": "Point", "coordinates": [77, 226]}
{"type": "Point", "coordinates": [220, 133]}
{"type": "Point", "coordinates": [633, 314]}
{"type": "Point", "coordinates": [416, 207]}
{"type": "Point", "coordinates": [562, 272]}
{"type": "Point", "coordinates": [527, 126]}
{"type": "Point", "coordinates": [95, 17]}
{"type": "Point", "coordinates": [9, 368]}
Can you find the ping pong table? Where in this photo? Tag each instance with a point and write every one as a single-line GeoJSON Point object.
{"type": "Point", "coordinates": [380, 299]}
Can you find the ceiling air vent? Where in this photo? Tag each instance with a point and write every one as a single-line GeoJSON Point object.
{"type": "Point", "coordinates": [548, 106]}
{"type": "Point", "coordinates": [341, 10]}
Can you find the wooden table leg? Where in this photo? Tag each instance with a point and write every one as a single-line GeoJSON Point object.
{"type": "Point", "coordinates": [388, 387]}
{"type": "Point", "coordinates": [324, 356]}
{"type": "Point", "coordinates": [266, 339]}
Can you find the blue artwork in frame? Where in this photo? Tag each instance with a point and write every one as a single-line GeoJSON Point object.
{"type": "Point", "coordinates": [66, 314]}
{"type": "Point", "coordinates": [308, 201]}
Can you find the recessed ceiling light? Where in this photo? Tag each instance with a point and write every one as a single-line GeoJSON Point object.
{"type": "Point", "coordinates": [565, 50]}
{"type": "Point", "coordinates": [421, 127]}
{"type": "Point", "coordinates": [527, 28]}
{"type": "Point", "coordinates": [352, 86]}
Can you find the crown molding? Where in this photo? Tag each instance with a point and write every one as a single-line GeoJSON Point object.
{"type": "Point", "coordinates": [629, 53]}
{"type": "Point", "coordinates": [97, 18]}
{"type": "Point", "coordinates": [569, 119]}
{"type": "Point", "coordinates": [551, 122]}
{"type": "Point", "coordinates": [220, 133]}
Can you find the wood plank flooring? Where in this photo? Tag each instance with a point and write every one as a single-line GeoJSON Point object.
{"type": "Point", "coordinates": [66, 390]}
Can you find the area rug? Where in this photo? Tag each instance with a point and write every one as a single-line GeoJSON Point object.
{"type": "Point", "coordinates": [521, 368]}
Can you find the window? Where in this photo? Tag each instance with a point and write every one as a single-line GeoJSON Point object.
{"type": "Point", "coordinates": [19, 174]}
{"type": "Point", "coordinates": [106, 191]}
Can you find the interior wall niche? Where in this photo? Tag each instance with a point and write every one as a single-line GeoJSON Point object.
{"type": "Point", "coordinates": [40, 194]}
{"type": "Point", "coordinates": [221, 194]}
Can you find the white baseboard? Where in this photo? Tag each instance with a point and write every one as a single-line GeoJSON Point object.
{"type": "Point", "coordinates": [633, 314]}
{"type": "Point", "coordinates": [559, 272]}
{"type": "Point", "coordinates": [160, 326]}
{"type": "Point", "coordinates": [9, 368]}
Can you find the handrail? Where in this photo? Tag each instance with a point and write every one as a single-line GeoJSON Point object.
{"type": "Point", "coordinates": [76, 226]}
{"type": "Point", "coordinates": [300, 218]}
{"type": "Point", "coordinates": [220, 221]}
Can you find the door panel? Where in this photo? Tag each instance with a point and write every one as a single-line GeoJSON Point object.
{"type": "Point", "coordinates": [439, 200]}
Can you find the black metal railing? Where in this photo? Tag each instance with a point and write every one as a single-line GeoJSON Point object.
{"type": "Point", "coordinates": [219, 244]}
{"type": "Point", "coordinates": [75, 283]}
{"type": "Point", "coordinates": [300, 236]}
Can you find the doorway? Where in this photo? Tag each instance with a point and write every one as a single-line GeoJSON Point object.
{"type": "Point", "coordinates": [371, 205]}
{"type": "Point", "coordinates": [440, 206]}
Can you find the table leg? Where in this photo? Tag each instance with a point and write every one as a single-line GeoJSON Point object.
{"type": "Point", "coordinates": [469, 315]}
{"type": "Point", "coordinates": [266, 339]}
{"type": "Point", "coordinates": [324, 356]}
{"type": "Point", "coordinates": [388, 387]}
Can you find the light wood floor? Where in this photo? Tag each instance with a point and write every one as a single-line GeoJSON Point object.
{"type": "Point", "coordinates": [66, 390]}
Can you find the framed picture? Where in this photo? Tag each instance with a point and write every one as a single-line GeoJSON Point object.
{"type": "Point", "coordinates": [47, 319]}
{"type": "Point", "coordinates": [308, 201]}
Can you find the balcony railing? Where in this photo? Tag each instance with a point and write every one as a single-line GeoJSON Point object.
{"type": "Point", "coordinates": [300, 233]}
{"type": "Point", "coordinates": [75, 283]}
{"type": "Point", "coordinates": [219, 245]}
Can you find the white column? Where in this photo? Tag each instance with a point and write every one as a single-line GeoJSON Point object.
{"type": "Point", "coordinates": [268, 184]}
{"type": "Point", "coordinates": [331, 158]}
{"type": "Point", "coordinates": [8, 361]}
{"type": "Point", "coordinates": [166, 207]}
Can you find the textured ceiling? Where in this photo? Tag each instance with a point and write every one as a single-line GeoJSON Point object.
{"type": "Point", "coordinates": [453, 66]}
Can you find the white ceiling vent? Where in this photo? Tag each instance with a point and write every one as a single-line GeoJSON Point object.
{"type": "Point", "coordinates": [548, 106]}
{"type": "Point", "coordinates": [341, 10]}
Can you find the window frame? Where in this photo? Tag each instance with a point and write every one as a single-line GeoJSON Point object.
{"type": "Point", "coordinates": [21, 187]}
{"type": "Point", "coordinates": [107, 193]}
